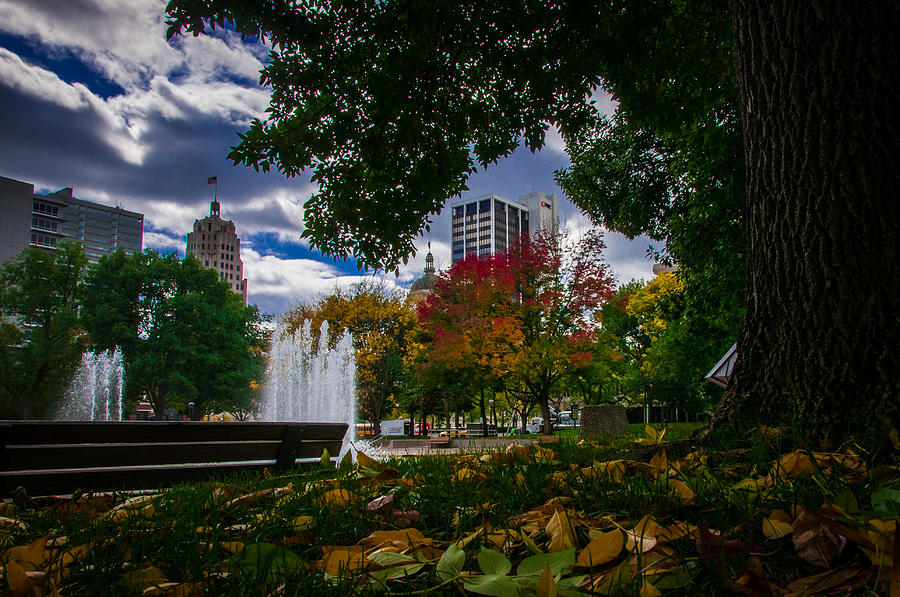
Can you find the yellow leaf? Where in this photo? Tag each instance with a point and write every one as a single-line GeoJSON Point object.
{"type": "Point", "coordinates": [659, 462]}
{"type": "Point", "coordinates": [795, 464]}
{"type": "Point", "coordinates": [677, 530]}
{"type": "Point", "coordinates": [648, 590]}
{"type": "Point", "coordinates": [613, 470]}
{"type": "Point", "coordinates": [232, 546]}
{"type": "Point", "coordinates": [336, 497]}
{"type": "Point", "coordinates": [325, 458]}
{"type": "Point", "coordinates": [467, 474]}
{"type": "Point", "coordinates": [302, 523]}
{"type": "Point", "coordinates": [602, 549]}
{"type": "Point", "coordinates": [32, 556]}
{"type": "Point", "coordinates": [19, 583]}
{"type": "Point", "coordinates": [339, 560]}
{"type": "Point", "coordinates": [683, 491]}
{"type": "Point", "coordinates": [366, 461]}
{"type": "Point", "coordinates": [546, 584]}
{"type": "Point", "coordinates": [561, 532]}
{"type": "Point", "coordinates": [752, 484]}
{"type": "Point", "coordinates": [776, 529]}
{"type": "Point", "coordinates": [402, 538]}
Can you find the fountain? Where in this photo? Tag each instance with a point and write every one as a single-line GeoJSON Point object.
{"type": "Point", "coordinates": [308, 381]}
{"type": "Point", "coordinates": [95, 392]}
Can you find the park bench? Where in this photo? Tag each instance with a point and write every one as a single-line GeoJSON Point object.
{"type": "Point", "coordinates": [54, 457]}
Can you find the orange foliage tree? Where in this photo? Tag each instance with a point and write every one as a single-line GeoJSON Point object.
{"type": "Point", "coordinates": [524, 318]}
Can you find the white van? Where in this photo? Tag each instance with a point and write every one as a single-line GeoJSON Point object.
{"type": "Point", "coordinates": [536, 425]}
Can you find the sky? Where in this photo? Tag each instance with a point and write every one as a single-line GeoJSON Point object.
{"type": "Point", "coordinates": [93, 97]}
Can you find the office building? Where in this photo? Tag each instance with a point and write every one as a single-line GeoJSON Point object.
{"type": "Point", "coordinates": [30, 219]}
{"type": "Point", "coordinates": [491, 223]}
{"type": "Point", "coordinates": [215, 243]}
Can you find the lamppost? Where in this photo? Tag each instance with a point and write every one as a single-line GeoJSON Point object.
{"type": "Point", "coordinates": [493, 412]}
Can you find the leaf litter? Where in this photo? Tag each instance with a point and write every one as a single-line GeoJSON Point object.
{"type": "Point", "coordinates": [563, 521]}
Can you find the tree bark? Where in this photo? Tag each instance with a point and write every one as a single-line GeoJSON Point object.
{"type": "Point", "coordinates": [819, 102]}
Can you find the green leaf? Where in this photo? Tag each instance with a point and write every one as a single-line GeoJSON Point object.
{"type": "Point", "coordinates": [886, 502]}
{"type": "Point", "coordinates": [382, 576]}
{"type": "Point", "coordinates": [846, 501]}
{"type": "Point", "coordinates": [391, 559]}
{"type": "Point", "coordinates": [558, 562]}
{"type": "Point", "coordinates": [676, 578]}
{"type": "Point", "coordinates": [493, 562]}
{"type": "Point", "coordinates": [451, 563]}
{"type": "Point", "coordinates": [498, 585]}
{"type": "Point", "coordinates": [268, 559]}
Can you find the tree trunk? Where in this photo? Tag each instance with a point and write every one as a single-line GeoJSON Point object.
{"type": "Point", "coordinates": [818, 99]}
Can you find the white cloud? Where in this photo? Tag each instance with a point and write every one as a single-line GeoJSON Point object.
{"type": "Point", "coordinates": [164, 243]}
{"type": "Point", "coordinates": [276, 284]}
{"type": "Point", "coordinates": [626, 257]}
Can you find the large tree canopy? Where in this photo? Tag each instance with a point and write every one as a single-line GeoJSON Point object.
{"type": "Point", "coordinates": [40, 335]}
{"type": "Point", "coordinates": [391, 104]}
{"type": "Point", "coordinates": [187, 338]}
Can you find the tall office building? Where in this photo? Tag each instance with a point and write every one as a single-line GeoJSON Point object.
{"type": "Point", "coordinates": [31, 219]}
{"type": "Point", "coordinates": [215, 243]}
{"type": "Point", "coordinates": [491, 223]}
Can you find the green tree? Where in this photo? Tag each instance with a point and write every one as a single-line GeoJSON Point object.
{"type": "Point", "coordinates": [41, 339]}
{"type": "Point", "coordinates": [185, 336]}
{"type": "Point", "coordinates": [393, 103]}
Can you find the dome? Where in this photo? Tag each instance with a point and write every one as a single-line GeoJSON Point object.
{"type": "Point", "coordinates": [424, 282]}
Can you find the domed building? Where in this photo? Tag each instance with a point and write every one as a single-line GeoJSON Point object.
{"type": "Point", "coordinates": [424, 284]}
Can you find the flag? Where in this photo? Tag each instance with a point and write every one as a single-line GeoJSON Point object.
{"type": "Point", "coordinates": [212, 180]}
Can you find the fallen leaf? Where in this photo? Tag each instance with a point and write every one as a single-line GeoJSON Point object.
{"type": "Point", "coordinates": [648, 590]}
{"type": "Point", "coordinates": [336, 497]}
{"type": "Point", "coordinates": [546, 584]}
{"type": "Point", "coordinates": [250, 498]}
{"type": "Point", "coordinates": [410, 537]}
{"type": "Point", "coordinates": [138, 580]}
{"type": "Point", "coordinates": [683, 491]}
{"type": "Point", "coordinates": [814, 541]}
{"type": "Point", "coordinates": [366, 461]}
{"type": "Point", "coordinates": [561, 532]}
{"type": "Point", "coordinates": [602, 549]}
{"type": "Point", "coordinates": [380, 503]}
{"type": "Point", "coordinates": [643, 537]}
{"type": "Point", "coordinates": [19, 583]}
{"type": "Point", "coordinates": [342, 560]}
{"type": "Point", "coordinates": [795, 464]}
{"type": "Point", "coordinates": [659, 463]}
{"type": "Point", "coordinates": [11, 523]}
{"type": "Point", "coordinates": [774, 528]}
{"type": "Point", "coordinates": [842, 580]}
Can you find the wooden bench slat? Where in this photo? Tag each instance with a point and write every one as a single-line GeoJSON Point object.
{"type": "Point", "coordinates": [65, 432]}
{"type": "Point", "coordinates": [119, 454]}
{"type": "Point", "coordinates": [99, 479]}
{"type": "Point", "coordinates": [61, 456]}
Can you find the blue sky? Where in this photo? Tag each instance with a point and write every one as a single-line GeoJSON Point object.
{"type": "Point", "coordinates": [93, 97]}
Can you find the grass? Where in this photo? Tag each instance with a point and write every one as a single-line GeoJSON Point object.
{"type": "Point", "coordinates": [446, 524]}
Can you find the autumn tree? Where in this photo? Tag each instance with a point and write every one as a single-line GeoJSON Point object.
{"type": "Point", "coordinates": [41, 339]}
{"type": "Point", "coordinates": [392, 105]}
{"type": "Point", "coordinates": [187, 339]}
{"type": "Point", "coordinates": [380, 323]}
{"type": "Point", "coordinates": [523, 318]}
